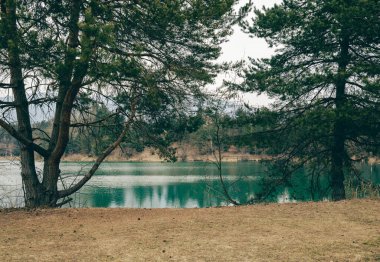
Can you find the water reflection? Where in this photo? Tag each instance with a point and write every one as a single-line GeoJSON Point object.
{"type": "Point", "coordinates": [180, 195]}
{"type": "Point", "coordinates": [181, 185]}
{"type": "Point", "coordinates": [106, 197]}
{"type": "Point", "coordinates": [196, 185]}
{"type": "Point", "coordinates": [201, 193]}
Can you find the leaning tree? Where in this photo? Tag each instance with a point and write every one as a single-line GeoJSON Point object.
{"type": "Point", "coordinates": [140, 59]}
{"type": "Point", "coordinates": [324, 79]}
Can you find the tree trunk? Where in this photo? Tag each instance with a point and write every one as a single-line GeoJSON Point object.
{"type": "Point", "coordinates": [45, 193]}
{"type": "Point", "coordinates": [339, 132]}
{"type": "Point", "coordinates": [61, 125]}
{"type": "Point", "coordinates": [337, 164]}
{"type": "Point", "coordinates": [338, 149]}
{"type": "Point", "coordinates": [31, 185]}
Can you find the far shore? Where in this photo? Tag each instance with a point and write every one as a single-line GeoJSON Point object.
{"type": "Point", "coordinates": [151, 157]}
{"type": "Point", "coordinates": [154, 158]}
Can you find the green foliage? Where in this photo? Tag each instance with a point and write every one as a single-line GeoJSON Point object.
{"type": "Point", "coordinates": [115, 63]}
{"type": "Point", "coordinates": [324, 78]}
{"type": "Point", "coordinates": [157, 54]}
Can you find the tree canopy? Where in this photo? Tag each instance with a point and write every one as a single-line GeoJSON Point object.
{"type": "Point", "coordinates": [324, 77]}
{"type": "Point", "coordinates": [140, 59]}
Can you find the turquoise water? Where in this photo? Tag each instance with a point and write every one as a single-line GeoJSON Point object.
{"type": "Point", "coordinates": [152, 185]}
{"type": "Point", "coordinates": [180, 185]}
{"type": "Point", "coordinates": [186, 185]}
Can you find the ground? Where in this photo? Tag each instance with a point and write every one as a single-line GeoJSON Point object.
{"type": "Point", "coordinates": [324, 231]}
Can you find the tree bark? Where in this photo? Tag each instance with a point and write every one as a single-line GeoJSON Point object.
{"type": "Point", "coordinates": [44, 193]}
{"type": "Point", "coordinates": [68, 89]}
{"type": "Point", "coordinates": [339, 132]}
{"type": "Point", "coordinates": [31, 185]}
{"type": "Point", "coordinates": [337, 163]}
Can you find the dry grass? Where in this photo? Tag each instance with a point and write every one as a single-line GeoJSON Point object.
{"type": "Point", "coordinates": [342, 231]}
{"type": "Point", "coordinates": [185, 153]}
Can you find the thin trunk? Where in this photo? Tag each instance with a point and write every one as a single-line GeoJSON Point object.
{"type": "Point", "coordinates": [219, 166]}
{"type": "Point", "coordinates": [65, 75]}
{"type": "Point", "coordinates": [337, 167]}
{"type": "Point", "coordinates": [59, 136]}
{"type": "Point", "coordinates": [339, 133]}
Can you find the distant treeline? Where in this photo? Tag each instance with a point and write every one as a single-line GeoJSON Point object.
{"type": "Point", "coordinates": [198, 131]}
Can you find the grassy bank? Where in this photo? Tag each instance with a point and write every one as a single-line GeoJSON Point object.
{"type": "Point", "coordinates": [342, 231]}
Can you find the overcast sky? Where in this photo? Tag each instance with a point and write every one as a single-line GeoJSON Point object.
{"type": "Point", "coordinates": [241, 46]}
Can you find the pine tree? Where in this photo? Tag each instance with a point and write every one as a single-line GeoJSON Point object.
{"type": "Point", "coordinates": [135, 57]}
{"type": "Point", "coordinates": [324, 78]}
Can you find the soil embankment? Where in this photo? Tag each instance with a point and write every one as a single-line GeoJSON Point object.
{"type": "Point", "coordinates": [341, 231]}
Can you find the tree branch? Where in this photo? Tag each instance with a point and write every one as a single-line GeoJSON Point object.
{"type": "Point", "coordinates": [6, 86]}
{"type": "Point", "coordinates": [99, 160]}
{"type": "Point", "coordinates": [95, 122]}
{"type": "Point", "coordinates": [13, 132]}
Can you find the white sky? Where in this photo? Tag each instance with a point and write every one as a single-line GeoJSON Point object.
{"type": "Point", "coordinates": [241, 46]}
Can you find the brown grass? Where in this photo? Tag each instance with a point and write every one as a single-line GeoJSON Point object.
{"type": "Point", "coordinates": [342, 231]}
{"type": "Point", "coordinates": [151, 156]}
{"type": "Point", "coordinates": [186, 154]}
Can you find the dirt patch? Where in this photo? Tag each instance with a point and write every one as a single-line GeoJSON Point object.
{"type": "Point", "coordinates": [343, 231]}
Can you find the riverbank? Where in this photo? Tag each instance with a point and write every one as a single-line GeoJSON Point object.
{"type": "Point", "coordinates": [324, 231]}
{"type": "Point", "coordinates": [150, 155]}
{"type": "Point", "coordinates": [145, 157]}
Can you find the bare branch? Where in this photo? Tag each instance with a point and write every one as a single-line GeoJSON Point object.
{"type": "Point", "coordinates": [5, 86]}
{"type": "Point", "coordinates": [99, 160]}
{"type": "Point", "coordinates": [95, 122]}
{"type": "Point", "coordinates": [13, 132]}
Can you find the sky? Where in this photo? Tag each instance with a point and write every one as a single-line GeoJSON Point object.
{"type": "Point", "coordinates": [241, 46]}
